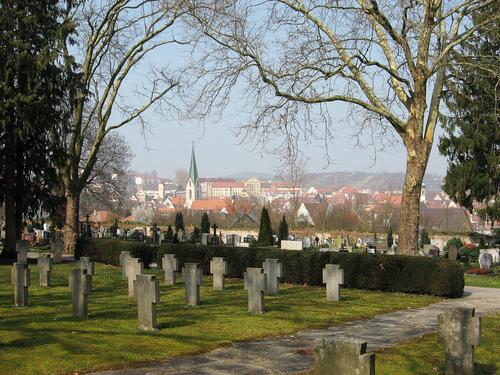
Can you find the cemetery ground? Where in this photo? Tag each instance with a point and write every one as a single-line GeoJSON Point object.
{"type": "Point", "coordinates": [43, 338]}
{"type": "Point", "coordinates": [491, 280]}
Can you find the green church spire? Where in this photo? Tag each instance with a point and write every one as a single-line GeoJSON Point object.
{"type": "Point", "coordinates": [193, 171]}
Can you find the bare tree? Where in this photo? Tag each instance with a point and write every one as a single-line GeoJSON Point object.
{"type": "Point", "coordinates": [387, 59]}
{"type": "Point", "coordinates": [116, 36]}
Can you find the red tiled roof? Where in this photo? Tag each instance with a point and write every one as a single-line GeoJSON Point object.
{"type": "Point", "coordinates": [209, 205]}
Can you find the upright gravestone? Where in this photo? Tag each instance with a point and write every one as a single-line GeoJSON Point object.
{"type": "Point", "coordinates": [343, 356]}
{"type": "Point", "coordinates": [193, 277]}
{"type": "Point", "coordinates": [333, 275]}
{"type": "Point", "coordinates": [87, 265]}
{"type": "Point", "coordinates": [132, 269]}
{"type": "Point", "coordinates": [22, 247]}
{"type": "Point", "coordinates": [218, 268]}
{"type": "Point", "coordinates": [79, 283]}
{"type": "Point", "coordinates": [44, 264]}
{"type": "Point", "coordinates": [21, 282]}
{"type": "Point", "coordinates": [147, 290]}
{"type": "Point", "coordinates": [272, 269]}
{"type": "Point", "coordinates": [485, 261]}
{"type": "Point", "coordinates": [57, 247]}
{"type": "Point", "coordinates": [460, 331]}
{"type": "Point", "coordinates": [255, 283]}
{"type": "Point", "coordinates": [452, 252]}
{"type": "Point", "coordinates": [170, 266]}
{"type": "Point", "coordinates": [124, 256]}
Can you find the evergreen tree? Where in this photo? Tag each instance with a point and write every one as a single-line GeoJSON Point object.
{"type": "Point", "coordinates": [283, 230]}
{"type": "Point", "coordinates": [170, 234]}
{"type": "Point", "coordinates": [205, 223]}
{"type": "Point", "coordinates": [35, 84]}
{"type": "Point", "coordinates": [265, 230]}
{"type": "Point", "coordinates": [472, 139]}
{"type": "Point", "coordinates": [179, 222]}
{"type": "Point", "coordinates": [424, 238]}
{"type": "Point", "coordinates": [196, 234]}
{"type": "Point", "coordinates": [390, 238]}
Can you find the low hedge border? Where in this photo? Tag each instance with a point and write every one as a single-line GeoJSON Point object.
{"type": "Point", "coordinates": [391, 273]}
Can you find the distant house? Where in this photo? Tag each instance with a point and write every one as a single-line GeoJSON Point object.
{"type": "Point", "coordinates": [306, 213]}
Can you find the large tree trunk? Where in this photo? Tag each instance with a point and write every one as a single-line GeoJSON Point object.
{"type": "Point", "coordinates": [72, 222]}
{"type": "Point", "coordinates": [9, 246]}
{"type": "Point", "coordinates": [416, 164]}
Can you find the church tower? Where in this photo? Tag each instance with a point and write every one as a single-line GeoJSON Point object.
{"type": "Point", "coordinates": [193, 189]}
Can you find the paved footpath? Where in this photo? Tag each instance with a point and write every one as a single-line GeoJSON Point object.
{"type": "Point", "coordinates": [293, 354]}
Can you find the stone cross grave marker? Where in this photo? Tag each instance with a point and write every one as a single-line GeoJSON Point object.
{"type": "Point", "coordinates": [255, 283]}
{"type": "Point", "coordinates": [333, 275]}
{"type": "Point", "coordinates": [485, 261]}
{"type": "Point", "coordinates": [79, 283]}
{"type": "Point", "coordinates": [460, 331]}
{"type": "Point", "coordinates": [170, 265]}
{"type": "Point", "coordinates": [343, 356]}
{"type": "Point", "coordinates": [57, 246]}
{"type": "Point", "coordinates": [22, 247]}
{"type": "Point", "coordinates": [44, 264]}
{"type": "Point", "coordinates": [124, 256]}
{"type": "Point", "coordinates": [272, 268]}
{"type": "Point", "coordinates": [21, 281]}
{"type": "Point", "coordinates": [133, 268]}
{"type": "Point", "coordinates": [193, 277]}
{"type": "Point", "coordinates": [218, 268]}
{"type": "Point", "coordinates": [147, 290]}
{"type": "Point", "coordinates": [452, 252]}
{"type": "Point", "coordinates": [338, 241]}
{"type": "Point", "coordinates": [87, 265]}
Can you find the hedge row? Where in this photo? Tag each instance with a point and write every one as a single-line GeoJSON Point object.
{"type": "Point", "coordinates": [390, 273]}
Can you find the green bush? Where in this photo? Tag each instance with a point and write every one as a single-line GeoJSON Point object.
{"type": "Point", "coordinates": [453, 241]}
{"type": "Point", "coordinates": [392, 273]}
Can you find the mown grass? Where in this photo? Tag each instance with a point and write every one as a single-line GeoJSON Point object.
{"type": "Point", "coordinates": [426, 355]}
{"type": "Point", "coordinates": [44, 338]}
{"type": "Point", "coordinates": [491, 280]}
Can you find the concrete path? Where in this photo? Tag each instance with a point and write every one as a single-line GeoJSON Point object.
{"type": "Point", "coordinates": [294, 354]}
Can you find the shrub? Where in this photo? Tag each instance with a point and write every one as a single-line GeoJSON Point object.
{"type": "Point", "coordinates": [265, 231]}
{"type": "Point", "coordinates": [453, 241]}
{"type": "Point", "coordinates": [392, 273]}
{"type": "Point", "coordinates": [424, 238]}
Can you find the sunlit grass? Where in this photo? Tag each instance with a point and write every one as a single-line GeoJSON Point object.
{"type": "Point", "coordinates": [44, 339]}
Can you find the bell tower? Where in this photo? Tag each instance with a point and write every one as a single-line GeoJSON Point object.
{"type": "Point", "coordinates": [193, 189]}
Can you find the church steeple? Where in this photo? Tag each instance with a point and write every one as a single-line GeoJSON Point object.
{"type": "Point", "coordinates": [193, 171]}
{"type": "Point", "coordinates": [193, 189]}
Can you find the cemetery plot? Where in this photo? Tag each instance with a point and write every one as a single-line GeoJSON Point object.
{"type": "Point", "coordinates": [58, 343]}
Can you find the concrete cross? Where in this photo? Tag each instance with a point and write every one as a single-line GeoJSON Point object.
{"type": "Point", "coordinates": [22, 247]}
{"type": "Point", "coordinates": [214, 227]}
{"type": "Point", "coordinates": [218, 268]}
{"type": "Point", "coordinates": [21, 281]}
{"type": "Point", "coordinates": [255, 283]}
{"type": "Point", "coordinates": [333, 275]}
{"type": "Point", "coordinates": [342, 356]}
{"type": "Point", "coordinates": [79, 284]}
{"type": "Point", "coordinates": [170, 265]}
{"type": "Point", "coordinates": [124, 255]}
{"type": "Point", "coordinates": [87, 265]}
{"type": "Point", "coordinates": [133, 268]}
{"type": "Point", "coordinates": [460, 331]}
{"type": "Point", "coordinates": [147, 290]}
{"type": "Point", "coordinates": [193, 277]}
{"type": "Point", "coordinates": [44, 265]}
{"type": "Point", "coordinates": [272, 268]}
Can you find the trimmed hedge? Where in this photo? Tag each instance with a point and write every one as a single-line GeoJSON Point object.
{"type": "Point", "coordinates": [391, 273]}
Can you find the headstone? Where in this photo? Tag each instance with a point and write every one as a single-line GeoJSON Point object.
{"type": "Point", "coordinates": [460, 331]}
{"type": "Point", "coordinates": [255, 283]}
{"type": "Point", "coordinates": [193, 277]}
{"type": "Point", "coordinates": [218, 268]}
{"type": "Point", "coordinates": [392, 250]}
{"type": "Point", "coordinates": [291, 245]}
{"type": "Point", "coordinates": [338, 242]}
{"type": "Point", "coordinates": [433, 252]}
{"type": "Point", "coordinates": [204, 239]}
{"type": "Point", "coordinates": [87, 265]}
{"type": "Point", "coordinates": [485, 261]}
{"type": "Point", "coordinates": [44, 264]}
{"type": "Point", "coordinates": [495, 253]}
{"type": "Point", "coordinates": [272, 269]}
{"type": "Point", "coordinates": [342, 356]}
{"type": "Point", "coordinates": [21, 281]}
{"type": "Point", "coordinates": [306, 242]}
{"type": "Point", "coordinates": [147, 290]}
{"type": "Point", "coordinates": [57, 247]}
{"type": "Point", "coordinates": [333, 275]}
{"type": "Point", "coordinates": [22, 247]}
{"type": "Point", "coordinates": [133, 268]}
{"type": "Point", "coordinates": [79, 283]}
{"type": "Point", "coordinates": [170, 266]}
{"type": "Point", "coordinates": [124, 256]}
{"type": "Point", "coordinates": [452, 252]}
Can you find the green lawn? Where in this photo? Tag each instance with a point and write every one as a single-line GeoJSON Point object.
{"type": "Point", "coordinates": [426, 355]}
{"type": "Point", "coordinates": [487, 281]}
{"type": "Point", "coordinates": [56, 343]}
